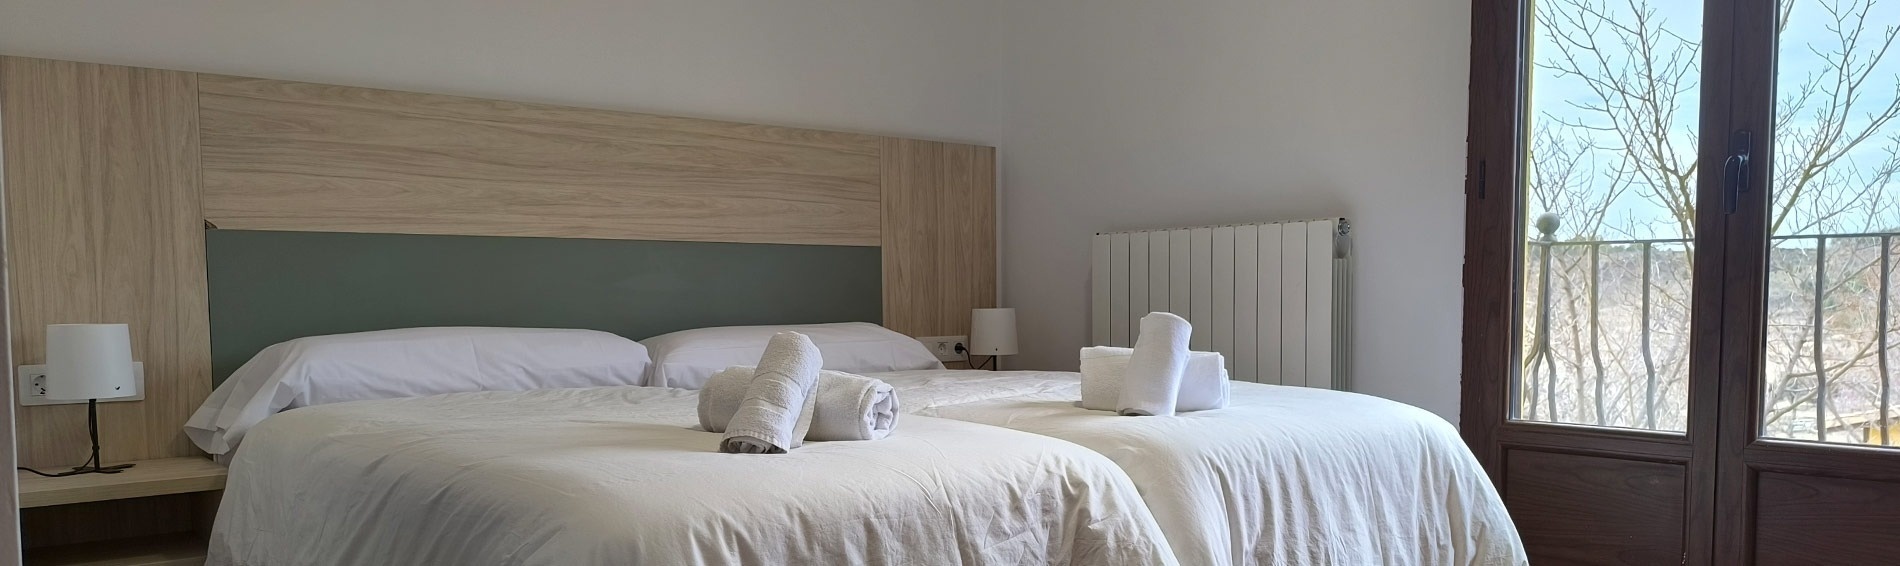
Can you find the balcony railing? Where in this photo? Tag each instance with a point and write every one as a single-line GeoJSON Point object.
{"type": "Point", "coordinates": [1608, 335]}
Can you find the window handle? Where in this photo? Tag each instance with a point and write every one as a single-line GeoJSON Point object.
{"type": "Point", "coordinates": [1735, 169]}
{"type": "Point", "coordinates": [1481, 179]}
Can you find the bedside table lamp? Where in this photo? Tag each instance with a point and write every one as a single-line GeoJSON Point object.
{"type": "Point", "coordinates": [992, 333]}
{"type": "Point", "coordinates": [90, 362]}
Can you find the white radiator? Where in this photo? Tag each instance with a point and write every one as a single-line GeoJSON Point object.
{"type": "Point", "coordinates": [1271, 297]}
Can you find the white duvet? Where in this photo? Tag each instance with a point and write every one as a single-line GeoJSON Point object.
{"type": "Point", "coordinates": [1283, 475]}
{"type": "Point", "coordinates": [578, 477]}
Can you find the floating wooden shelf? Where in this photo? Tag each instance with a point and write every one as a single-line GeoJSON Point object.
{"type": "Point", "coordinates": [169, 550]}
{"type": "Point", "coordinates": [146, 479]}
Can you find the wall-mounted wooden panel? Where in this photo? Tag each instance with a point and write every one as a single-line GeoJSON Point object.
{"type": "Point", "coordinates": [1574, 509]}
{"type": "Point", "coordinates": [9, 491]}
{"type": "Point", "coordinates": [104, 225]}
{"type": "Point", "coordinates": [110, 173]}
{"type": "Point", "coordinates": [282, 155]}
{"type": "Point", "coordinates": [939, 235]}
{"type": "Point", "coordinates": [106, 201]}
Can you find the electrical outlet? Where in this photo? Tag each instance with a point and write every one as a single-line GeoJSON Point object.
{"type": "Point", "coordinates": [35, 382]}
{"type": "Point", "coordinates": [32, 386]}
{"type": "Point", "coordinates": [947, 348]}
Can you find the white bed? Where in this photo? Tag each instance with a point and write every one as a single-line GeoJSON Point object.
{"type": "Point", "coordinates": [1283, 475]}
{"type": "Point", "coordinates": [619, 475]}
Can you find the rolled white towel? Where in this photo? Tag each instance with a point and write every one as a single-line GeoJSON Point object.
{"type": "Point", "coordinates": [776, 411]}
{"type": "Point", "coordinates": [1153, 379]}
{"type": "Point", "coordinates": [853, 407]}
{"type": "Point", "coordinates": [844, 407]}
{"type": "Point", "coordinates": [1204, 384]}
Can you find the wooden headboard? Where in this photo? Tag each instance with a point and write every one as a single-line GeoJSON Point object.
{"type": "Point", "coordinates": [113, 174]}
{"type": "Point", "coordinates": [282, 155]}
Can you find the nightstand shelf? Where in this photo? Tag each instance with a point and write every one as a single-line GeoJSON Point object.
{"type": "Point", "coordinates": [146, 479]}
{"type": "Point", "coordinates": [169, 477]}
{"type": "Point", "coordinates": [168, 550]}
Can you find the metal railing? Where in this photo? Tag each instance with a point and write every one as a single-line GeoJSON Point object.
{"type": "Point", "coordinates": [1537, 396]}
{"type": "Point", "coordinates": [1541, 366]}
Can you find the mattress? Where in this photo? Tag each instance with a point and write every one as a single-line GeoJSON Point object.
{"type": "Point", "coordinates": [1283, 475]}
{"type": "Point", "coordinates": [620, 475]}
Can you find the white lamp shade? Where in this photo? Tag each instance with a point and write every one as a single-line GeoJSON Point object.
{"type": "Point", "coordinates": [993, 332]}
{"type": "Point", "coordinates": [88, 361]}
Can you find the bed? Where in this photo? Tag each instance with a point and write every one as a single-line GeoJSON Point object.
{"type": "Point", "coordinates": [1283, 475]}
{"type": "Point", "coordinates": [987, 468]}
{"type": "Point", "coordinates": [619, 475]}
{"type": "Point", "coordinates": [473, 446]}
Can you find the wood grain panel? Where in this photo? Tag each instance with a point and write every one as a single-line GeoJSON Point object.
{"type": "Point", "coordinates": [110, 173]}
{"type": "Point", "coordinates": [147, 478]}
{"type": "Point", "coordinates": [9, 492]}
{"type": "Point", "coordinates": [939, 240]}
{"type": "Point", "coordinates": [282, 155]}
{"type": "Point", "coordinates": [104, 224]}
{"type": "Point", "coordinates": [1573, 509]}
{"type": "Point", "coordinates": [1819, 520]}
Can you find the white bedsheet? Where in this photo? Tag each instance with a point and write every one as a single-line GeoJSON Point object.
{"type": "Point", "coordinates": [578, 477]}
{"type": "Point", "coordinates": [1283, 475]}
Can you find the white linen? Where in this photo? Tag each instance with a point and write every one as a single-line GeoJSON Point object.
{"type": "Point", "coordinates": [1204, 384]}
{"type": "Point", "coordinates": [580, 477]}
{"type": "Point", "coordinates": [1282, 475]}
{"type": "Point", "coordinates": [409, 362]}
{"type": "Point", "coordinates": [1153, 378]}
{"type": "Point", "coordinates": [777, 408]}
{"type": "Point", "coordinates": [844, 407]}
{"type": "Point", "coordinates": [686, 359]}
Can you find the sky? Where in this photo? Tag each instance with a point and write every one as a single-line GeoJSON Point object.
{"type": "Point", "coordinates": [1635, 216]}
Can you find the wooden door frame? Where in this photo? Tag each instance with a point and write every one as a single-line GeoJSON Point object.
{"type": "Point", "coordinates": [1491, 228]}
{"type": "Point", "coordinates": [1723, 452]}
{"type": "Point", "coordinates": [1494, 238]}
{"type": "Point", "coordinates": [1743, 453]}
{"type": "Point", "coordinates": [1733, 356]}
{"type": "Point", "coordinates": [1709, 290]}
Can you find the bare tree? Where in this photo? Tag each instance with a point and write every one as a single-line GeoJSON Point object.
{"type": "Point", "coordinates": [1633, 131]}
{"type": "Point", "coordinates": [1827, 116]}
{"type": "Point", "coordinates": [1643, 78]}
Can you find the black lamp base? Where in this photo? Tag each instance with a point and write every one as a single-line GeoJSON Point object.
{"type": "Point", "coordinates": [92, 469]}
{"type": "Point", "coordinates": [92, 465]}
{"type": "Point", "coordinates": [991, 362]}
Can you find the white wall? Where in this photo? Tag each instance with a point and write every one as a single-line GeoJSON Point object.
{"type": "Point", "coordinates": [919, 68]}
{"type": "Point", "coordinates": [1125, 114]}
{"type": "Point", "coordinates": [1110, 114]}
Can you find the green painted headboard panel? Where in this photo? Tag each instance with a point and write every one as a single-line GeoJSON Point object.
{"type": "Point", "coordinates": [267, 287]}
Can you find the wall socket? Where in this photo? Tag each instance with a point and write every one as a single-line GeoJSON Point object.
{"type": "Point", "coordinates": [947, 348]}
{"type": "Point", "coordinates": [32, 386]}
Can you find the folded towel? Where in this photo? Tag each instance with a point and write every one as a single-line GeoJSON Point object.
{"type": "Point", "coordinates": [773, 416]}
{"type": "Point", "coordinates": [1204, 384]}
{"type": "Point", "coordinates": [1153, 379]}
{"type": "Point", "coordinates": [844, 407]}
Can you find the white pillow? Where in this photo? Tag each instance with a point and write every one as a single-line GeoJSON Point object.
{"type": "Point", "coordinates": [686, 359]}
{"type": "Point", "coordinates": [409, 362]}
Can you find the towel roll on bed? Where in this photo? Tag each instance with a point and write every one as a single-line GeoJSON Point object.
{"type": "Point", "coordinates": [844, 406]}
